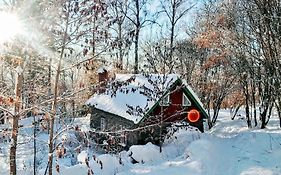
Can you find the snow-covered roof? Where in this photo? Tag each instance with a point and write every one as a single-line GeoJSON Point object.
{"type": "Point", "coordinates": [132, 95]}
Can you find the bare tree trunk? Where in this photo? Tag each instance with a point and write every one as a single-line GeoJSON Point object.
{"type": "Point", "coordinates": [279, 114]}
{"type": "Point", "coordinates": [236, 111]}
{"type": "Point", "coordinates": [254, 105]}
{"type": "Point", "coordinates": [265, 106]}
{"type": "Point", "coordinates": [278, 105]}
{"type": "Point", "coordinates": [246, 93]}
{"type": "Point", "coordinates": [269, 113]}
{"type": "Point", "coordinates": [53, 113]}
{"type": "Point", "coordinates": [49, 86]}
{"type": "Point", "coordinates": [63, 104]}
{"type": "Point", "coordinates": [52, 119]}
{"type": "Point", "coordinates": [2, 72]}
{"type": "Point", "coordinates": [94, 37]}
{"type": "Point", "coordinates": [138, 25]}
{"type": "Point", "coordinates": [55, 101]}
{"type": "Point", "coordinates": [13, 149]}
{"type": "Point", "coordinates": [173, 23]}
{"type": "Point", "coordinates": [136, 66]}
{"type": "Point", "coordinates": [72, 101]}
{"type": "Point", "coordinates": [263, 116]}
{"type": "Point", "coordinates": [216, 114]}
{"type": "Point", "coordinates": [210, 124]}
{"type": "Point", "coordinates": [34, 145]}
{"type": "Point", "coordinates": [120, 60]}
{"type": "Point", "coordinates": [50, 77]}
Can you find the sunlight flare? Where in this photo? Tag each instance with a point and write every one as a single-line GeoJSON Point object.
{"type": "Point", "coordinates": [10, 26]}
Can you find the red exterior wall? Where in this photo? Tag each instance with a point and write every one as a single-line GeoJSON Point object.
{"type": "Point", "coordinates": [175, 111]}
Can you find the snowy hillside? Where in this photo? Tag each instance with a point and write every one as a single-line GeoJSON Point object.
{"type": "Point", "coordinates": [229, 148]}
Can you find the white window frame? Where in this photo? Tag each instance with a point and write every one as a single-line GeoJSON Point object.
{"type": "Point", "coordinates": [102, 123]}
{"type": "Point", "coordinates": [165, 101]}
{"type": "Point", "coordinates": [185, 103]}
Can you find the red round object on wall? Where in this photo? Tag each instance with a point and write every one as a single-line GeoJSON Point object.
{"type": "Point", "coordinates": [193, 115]}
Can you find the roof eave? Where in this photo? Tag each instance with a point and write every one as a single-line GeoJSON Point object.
{"type": "Point", "coordinates": [113, 114]}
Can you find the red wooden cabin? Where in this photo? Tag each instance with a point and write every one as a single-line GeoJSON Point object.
{"type": "Point", "coordinates": [132, 101]}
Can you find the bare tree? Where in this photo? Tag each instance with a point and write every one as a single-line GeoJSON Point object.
{"type": "Point", "coordinates": [175, 10]}
{"type": "Point", "coordinates": [121, 41]}
{"type": "Point", "coordinates": [139, 16]}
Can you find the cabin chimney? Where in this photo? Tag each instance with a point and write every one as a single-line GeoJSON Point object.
{"type": "Point", "coordinates": [103, 78]}
{"type": "Point", "coordinates": [102, 74]}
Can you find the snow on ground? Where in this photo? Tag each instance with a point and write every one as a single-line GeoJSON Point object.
{"type": "Point", "coordinates": [230, 148]}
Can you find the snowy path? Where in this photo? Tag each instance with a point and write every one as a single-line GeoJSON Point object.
{"type": "Point", "coordinates": [230, 148]}
{"type": "Point", "coordinates": [244, 154]}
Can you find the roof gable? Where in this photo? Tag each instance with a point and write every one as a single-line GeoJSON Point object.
{"type": "Point", "coordinates": [194, 98]}
{"type": "Point", "coordinates": [188, 91]}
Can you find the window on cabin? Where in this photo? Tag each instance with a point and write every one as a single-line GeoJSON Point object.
{"type": "Point", "coordinates": [185, 100]}
{"type": "Point", "coordinates": [165, 101]}
{"type": "Point", "coordinates": [102, 124]}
